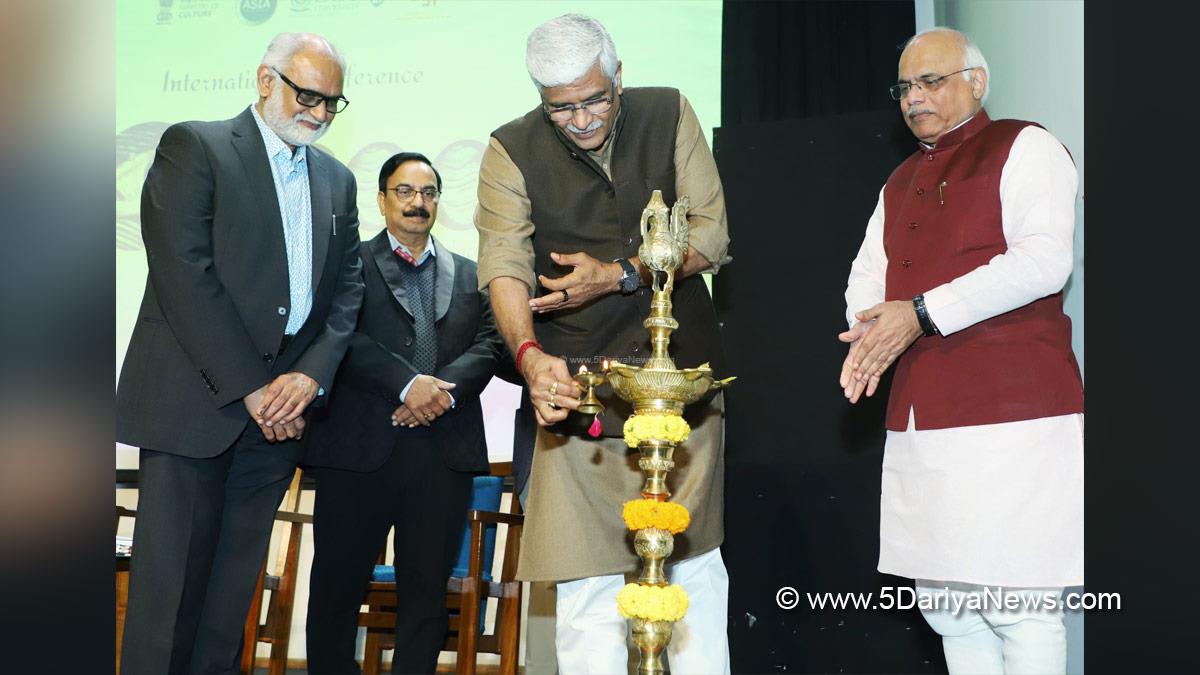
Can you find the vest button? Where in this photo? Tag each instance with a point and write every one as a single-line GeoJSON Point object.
{"type": "Point", "coordinates": [268, 357]}
{"type": "Point", "coordinates": [408, 342]}
{"type": "Point", "coordinates": [920, 191]}
{"type": "Point", "coordinates": [906, 263]}
{"type": "Point", "coordinates": [912, 226]}
{"type": "Point", "coordinates": [282, 311]}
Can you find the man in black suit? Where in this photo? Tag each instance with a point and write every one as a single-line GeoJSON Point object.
{"type": "Point", "coordinates": [254, 283]}
{"type": "Point", "coordinates": [400, 442]}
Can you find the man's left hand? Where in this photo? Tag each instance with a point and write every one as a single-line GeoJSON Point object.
{"type": "Point", "coordinates": [590, 279]}
{"type": "Point", "coordinates": [286, 398]}
{"type": "Point", "coordinates": [894, 328]}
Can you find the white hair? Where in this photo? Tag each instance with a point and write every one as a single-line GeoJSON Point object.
{"type": "Point", "coordinates": [285, 45]}
{"type": "Point", "coordinates": [972, 57]}
{"type": "Point", "coordinates": [565, 48]}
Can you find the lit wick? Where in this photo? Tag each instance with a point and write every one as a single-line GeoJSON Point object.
{"type": "Point", "coordinates": [604, 366]}
{"type": "Point", "coordinates": [582, 368]}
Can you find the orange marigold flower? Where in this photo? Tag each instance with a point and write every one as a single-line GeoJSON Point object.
{"type": "Point", "coordinates": [643, 513]}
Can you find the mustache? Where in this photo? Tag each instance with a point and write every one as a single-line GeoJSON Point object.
{"type": "Point", "coordinates": [417, 211]}
{"type": "Point", "coordinates": [913, 112]}
{"type": "Point", "coordinates": [303, 117]}
{"type": "Point", "coordinates": [596, 124]}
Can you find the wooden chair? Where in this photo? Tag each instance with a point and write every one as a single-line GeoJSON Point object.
{"type": "Point", "coordinates": [122, 585]}
{"type": "Point", "coordinates": [276, 629]}
{"type": "Point", "coordinates": [464, 595]}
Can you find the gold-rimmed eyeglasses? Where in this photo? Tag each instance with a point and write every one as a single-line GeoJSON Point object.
{"type": "Point", "coordinates": [405, 192]}
{"type": "Point", "coordinates": [927, 83]}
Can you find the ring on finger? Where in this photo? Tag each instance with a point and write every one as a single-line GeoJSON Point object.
{"type": "Point", "coordinates": [552, 403]}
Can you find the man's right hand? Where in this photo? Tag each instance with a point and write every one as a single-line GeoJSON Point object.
{"type": "Point", "coordinates": [852, 387]}
{"type": "Point", "coordinates": [427, 398]}
{"type": "Point", "coordinates": [553, 393]}
{"type": "Point", "coordinates": [278, 432]}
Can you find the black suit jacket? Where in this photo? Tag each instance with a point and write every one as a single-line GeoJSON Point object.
{"type": "Point", "coordinates": [216, 300]}
{"type": "Point", "coordinates": [354, 431]}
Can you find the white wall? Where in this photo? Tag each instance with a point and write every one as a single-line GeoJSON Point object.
{"type": "Point", "coordinates": [1034, 50]}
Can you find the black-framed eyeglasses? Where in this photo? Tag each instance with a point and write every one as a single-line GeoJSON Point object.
{"type": "Point", "coordinates": [404, 192]}
{"type": "Point", "coordinates": [596, 106]}
{"type": "Point", "coordinates": [900, 89]}
{"type": "Point", "coordinates": [311, 99]}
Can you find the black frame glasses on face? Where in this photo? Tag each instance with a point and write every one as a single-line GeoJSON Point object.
{"type": "Point", "coordinates": [405, 192]}
{"type": "Point", "coordinates": [311, 99]}
{"type": "Point", "coordinates": [900, 89]}
{"type": "Point", "coordinates": [598, 106]}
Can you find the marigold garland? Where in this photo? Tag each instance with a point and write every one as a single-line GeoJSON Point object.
{"type": "Point", "coordinates": [640, 428]}
{"type": "Point", "coordinates": [643, 513]}
{"type": "Point", "coordinates": [652, 603]}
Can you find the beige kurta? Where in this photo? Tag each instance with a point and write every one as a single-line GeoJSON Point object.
{"type": "Point", "coordinates": [577, 485]}
{"type": "Point", "coordinates": [573, 526]}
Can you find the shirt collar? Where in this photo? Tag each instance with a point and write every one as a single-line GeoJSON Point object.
{"type": "Point", "coordinates": [961, 132]}
{"type": "Point", "coordinates": [430, 248]}
{"type": "Point", "coordinates": [604, 153]}
{"type": "Point", "coordinates": [274, 143]}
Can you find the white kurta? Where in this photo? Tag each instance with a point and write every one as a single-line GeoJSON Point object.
{"type": "Point", "coordinates": [998, 504]}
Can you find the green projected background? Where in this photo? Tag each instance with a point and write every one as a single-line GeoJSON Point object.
{"type": "Point", "coordinates": [431, 76]}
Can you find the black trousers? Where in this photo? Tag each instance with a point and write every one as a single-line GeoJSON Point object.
{"type": "Point", "coordinates": [427, 504]}
{"type": "Point", "coordinates": [200, 538]}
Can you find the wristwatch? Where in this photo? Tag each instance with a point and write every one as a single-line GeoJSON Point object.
{"type": "Point", "coordinates": [928, 328]}
{"type": "Point", "coordinates": [630, 280]}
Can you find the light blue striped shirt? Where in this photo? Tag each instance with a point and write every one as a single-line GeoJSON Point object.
{"type": "Point", "coordinates": [290, 172]}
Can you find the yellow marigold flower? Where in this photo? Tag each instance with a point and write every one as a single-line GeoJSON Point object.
{"type": "Point", "coordinates": [652, 603]}
{"type": "Point", "coordinates": [642, 513]}
{"type": "Point", "coordinates": [640, 428]}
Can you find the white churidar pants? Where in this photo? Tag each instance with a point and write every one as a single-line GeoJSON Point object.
{"type": "Point", "coordinates": [990, 640]}
{"type": "Point", "coordinates": [591, 635]}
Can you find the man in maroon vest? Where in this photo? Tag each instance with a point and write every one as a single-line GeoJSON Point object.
{"type": "Point", "coordinates": [561, 192]}
{"type": "Point", "coordinates": [959, 284]}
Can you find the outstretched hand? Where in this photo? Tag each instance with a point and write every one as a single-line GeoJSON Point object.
{"type": "Point", "coordinates": [551, 390]}
{"type": "Point", "coordinates": [589, 279]}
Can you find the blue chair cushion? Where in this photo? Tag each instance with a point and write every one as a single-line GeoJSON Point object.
{"type": "Point", "coordinates": [485, 496]}
{"type": "Point", "coordinates": [385, 573]}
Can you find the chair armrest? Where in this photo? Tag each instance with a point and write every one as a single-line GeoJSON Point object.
{"type": "Point", "coordinates": [293, 517]}
{"type": "Point", "coordinates": [494, 517]}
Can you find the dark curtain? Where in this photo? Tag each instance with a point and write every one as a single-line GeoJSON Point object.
{"type": "Point", "coordinates": [786, 60]}
{"type": "Point", "coordinates": [808, 137]}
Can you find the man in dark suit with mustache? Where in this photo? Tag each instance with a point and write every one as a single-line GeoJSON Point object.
{"type": "Point", "coordinates": [399, 444]}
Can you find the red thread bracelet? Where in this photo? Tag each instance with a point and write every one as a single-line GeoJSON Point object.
{"type": "Point", "coordinates": [525, 346]}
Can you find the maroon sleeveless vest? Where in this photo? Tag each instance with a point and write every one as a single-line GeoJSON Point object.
{"type": "Point", "coordinates": [1015, 366]}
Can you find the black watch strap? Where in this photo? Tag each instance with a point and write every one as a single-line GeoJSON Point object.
{"type": "Point", "coordinates": [631, 279]}
{"type": "Point", "coordinates": [927, 327]}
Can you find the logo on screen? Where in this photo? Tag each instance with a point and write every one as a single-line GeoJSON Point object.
{"type": "Point", "coordinates": [301, 5]}
{"type": "Point", "coordinates": [164, 11]}
{"type": "Point", "coordinates": [255, 12]}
